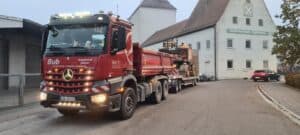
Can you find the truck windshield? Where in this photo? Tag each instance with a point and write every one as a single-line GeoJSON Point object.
{"type": "Point", "coordinates": [76, 40]}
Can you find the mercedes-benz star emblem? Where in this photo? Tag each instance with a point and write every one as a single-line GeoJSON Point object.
{"type": "Point", "coordinates": [68, 75]}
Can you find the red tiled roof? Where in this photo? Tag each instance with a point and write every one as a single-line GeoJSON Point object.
{"type": "Point", "coordinates": [206, 14]}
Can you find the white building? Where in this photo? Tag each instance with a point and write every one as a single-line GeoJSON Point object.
{"type": "Point", "coordinates": [233, 37]}
{"type": "Point", "coordinates": [151, 16]}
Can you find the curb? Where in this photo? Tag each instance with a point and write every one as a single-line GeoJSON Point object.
{"type": "Point", "coordinates": [287, 112]}
{"type": "Point", "coordinates": [2, 109]}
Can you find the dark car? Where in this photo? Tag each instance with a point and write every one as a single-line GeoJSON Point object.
{"type": "Point", "coordinates": [265, 75]}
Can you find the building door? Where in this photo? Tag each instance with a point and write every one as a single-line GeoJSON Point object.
{"type": "Point", "coordinates": [3, 63]}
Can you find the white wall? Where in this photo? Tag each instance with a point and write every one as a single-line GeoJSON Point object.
{"type": "Point", "coordinates": [239, 54]}
{"type": "Point", "coordinates": [206, 55]}
{"type": "Point", "coordinates": [149, 20]}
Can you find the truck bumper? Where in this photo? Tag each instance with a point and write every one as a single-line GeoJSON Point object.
{"type": "Point", "coordinates": [82, 102]}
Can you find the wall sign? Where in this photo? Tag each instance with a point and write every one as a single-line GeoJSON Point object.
{"type": "Point", "coordinates": [248, 9]}
{"type": "Point", "coordinates": [248, 32]}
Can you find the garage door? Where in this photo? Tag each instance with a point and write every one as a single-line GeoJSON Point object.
{"type": "Point", "coordinates": [3, 63]}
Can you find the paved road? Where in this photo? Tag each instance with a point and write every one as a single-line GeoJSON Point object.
{"type": "Point", "coordinates": [217, 108]}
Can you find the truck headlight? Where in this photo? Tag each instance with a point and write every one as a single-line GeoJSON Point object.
{"type": "Point", "coordinates": [99, 99]}
{"type": "Point", "coordinates": [43, 96]}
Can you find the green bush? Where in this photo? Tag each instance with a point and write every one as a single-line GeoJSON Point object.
{"type": "Point", "coordinates": [293, 80]}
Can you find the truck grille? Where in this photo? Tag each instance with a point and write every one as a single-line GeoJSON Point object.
{"type": "Point", "coordinates": [69, 81]}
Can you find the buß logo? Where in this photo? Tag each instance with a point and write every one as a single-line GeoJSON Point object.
{"type": "Point", "coordinates": [68, 75]}
{"type": "Point", "coordinates": [53, 62]}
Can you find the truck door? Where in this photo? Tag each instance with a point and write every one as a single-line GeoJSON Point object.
{"type": "Point", "coordinates": [117, 51]}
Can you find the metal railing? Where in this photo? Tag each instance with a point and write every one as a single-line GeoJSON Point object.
{"type": "Point", "coordinates": [21, 84]}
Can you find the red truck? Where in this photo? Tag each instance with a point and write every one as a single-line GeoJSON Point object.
{"type": "Point", "coordinates": [90, 63]}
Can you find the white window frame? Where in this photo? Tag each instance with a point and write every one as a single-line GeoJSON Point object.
{"type": "Point", "coordinates": [208, 44]}
{"type": "Point", "coordinates": [247, 64]}
{"type": "Point", "coordinates": [248, 40]}
{"type": "Point", "coordinates": [265, 44]}
{"type": "Point", "coordinates": [227, 44]}
{"type": "Point", "coordinates": [232, 64]}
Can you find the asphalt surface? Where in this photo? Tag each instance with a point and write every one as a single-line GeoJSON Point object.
{"type": "Point", "coordinates": [231, 107]}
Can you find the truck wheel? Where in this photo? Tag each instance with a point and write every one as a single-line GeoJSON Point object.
{"type": "Point", "coordinates": [165, 90]}
{"type": "Point", "coordinates": [68, 112]}
{"type": "Point", "coordinates": [157, 95]}
{"type": "Point", "coordinates": [128, 104]}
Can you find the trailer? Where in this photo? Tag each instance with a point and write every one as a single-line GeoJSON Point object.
{"type": "Point", "coordinates": [186, 63]}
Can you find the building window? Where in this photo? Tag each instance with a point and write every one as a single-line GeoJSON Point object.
{"type": "Point", "coordinates": [261, 22]}
{"type": "Point", "coordinates": [229, 43]}
{"type": "Point", "coordinates": [248, 44]}
{"type": "Point", "coordinates": [230, 64]}
{"type": "Point", "coordinates": [265, 44]}
{"type": "Point", "coordinates": [198, 45]}
{"type": "Point", "coordinates": [266, 64]}
{"type": "Point", "coordinates": [208, 44]}
{"type": "Point", "coordinates": [248, 21]}
{"type": "Point", "coordinates": [248, 1]}
{"type": "Point", "coordinates": [248, 64]}
{"type": "Point", "coordinates": [234, 20]}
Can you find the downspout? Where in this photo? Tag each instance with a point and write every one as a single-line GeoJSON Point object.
{"type": "Point", "coordinates": [215, 51]}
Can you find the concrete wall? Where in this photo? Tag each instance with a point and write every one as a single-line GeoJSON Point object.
{"type": "Point", "coordinates": [3, 63]}
{"type": "Point", "coordinates": [17, 57]}
{"type": "Point", "coordinates": [226, 29]}
{"type": "Point", "coordinates": [32, 63]}
{"type": "Point", "coordinates": [149, 20]}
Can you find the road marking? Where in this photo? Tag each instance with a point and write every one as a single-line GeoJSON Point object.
{"type": "Point", "coordinates": [273, 102]}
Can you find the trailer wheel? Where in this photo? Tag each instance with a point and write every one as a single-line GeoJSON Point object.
{"type": "Point", "coordinates": [195, 82]}
{"type": "Point", "coordinates": [175, 89]}
{"type": "Point", "coordinates": [68, 112]}
{"type": "Point", "coordinates": [179, 85]}
{"type": "Point", "coordinates": [165, 90]}
{"type": "Point", "coordinates": [128, 104]}
{"type": "Point", "coordinates": [157, 95]}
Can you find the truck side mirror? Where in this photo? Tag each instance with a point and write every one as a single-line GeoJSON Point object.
{"type": "Point", "coordinates": [45, 32]}
{"type": "Point", "coordinates": [114, 45]}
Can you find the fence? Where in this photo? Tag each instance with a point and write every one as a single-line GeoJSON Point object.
{"type": "Point", "coordinates": [18, 89]}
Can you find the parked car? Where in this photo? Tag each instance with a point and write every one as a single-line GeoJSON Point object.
{"type": "Point", "coordinates": [265, 75]}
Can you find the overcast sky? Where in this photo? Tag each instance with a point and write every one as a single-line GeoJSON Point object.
{"type": "Point", "coordinates": [40, 10]}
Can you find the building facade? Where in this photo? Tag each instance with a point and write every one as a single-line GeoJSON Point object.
{"type": "Point", "coordinates": [20, 45]}
{"type": "Point", "coordinates": [233, 37]}
{"type": "Point", "coordinates": [150, 16]}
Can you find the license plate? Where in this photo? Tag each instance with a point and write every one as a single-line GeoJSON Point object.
{"type": "Point", "coordinates": [68, 99]}
{"type": "Point", "coordinates": [257, 77]}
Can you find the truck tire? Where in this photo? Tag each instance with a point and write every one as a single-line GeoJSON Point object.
{"type": "Point", "coordinates": [68, 112]}
{"type": "Point", "coordinates": [128, 104]}
{"type": "Point", "coordinates": [175, 89]}
{"type": "Point", "coordinates": [165, 90]}
{"type": "Point", "coordinates": [157, 95]}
